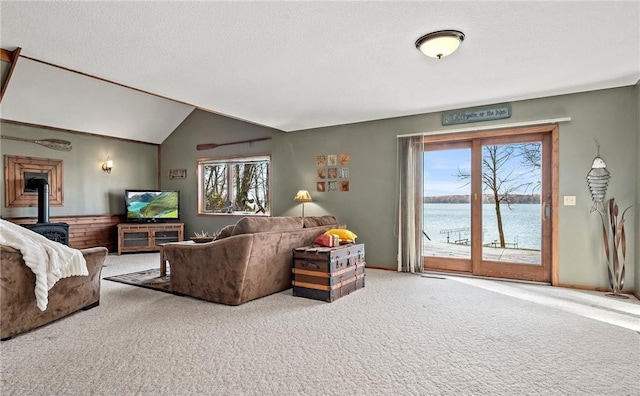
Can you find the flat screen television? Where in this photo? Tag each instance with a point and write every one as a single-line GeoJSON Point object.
{"type": "Point", "coordinates": [152, 205]}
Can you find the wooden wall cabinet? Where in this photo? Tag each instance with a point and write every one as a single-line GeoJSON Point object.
{"type": "Point", "coordinates": [133, 237]}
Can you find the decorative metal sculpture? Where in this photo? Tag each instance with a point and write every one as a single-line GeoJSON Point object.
{"type": "Point", "coordinates": [615, 248]}
{"type": "Point", "coordinates": [598, 179]}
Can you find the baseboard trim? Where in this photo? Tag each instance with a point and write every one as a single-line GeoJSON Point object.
{"type": "Point", "coordinates": [464, 275]}
{"type": "Point", "coordinates": [380, 268]}
{"type": "Point", "coordinates": [595, 288]}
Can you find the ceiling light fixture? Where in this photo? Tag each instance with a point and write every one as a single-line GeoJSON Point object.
{"type": "Point", "coordinates": [440, 44]}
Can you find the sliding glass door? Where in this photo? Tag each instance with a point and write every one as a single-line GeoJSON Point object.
{"type": "Point", "coordinates": [447, 207]}
{"type": "Point", "coordinates": [487, 204]}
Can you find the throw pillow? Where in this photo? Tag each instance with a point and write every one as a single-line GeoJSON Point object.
{"type": "Point", "coordinates": [324, 240]}
{"type": "Point", "coordinates": [343, 234]}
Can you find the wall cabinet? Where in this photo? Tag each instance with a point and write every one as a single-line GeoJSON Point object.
{"type": "Point", "coordinates": [133, 237]}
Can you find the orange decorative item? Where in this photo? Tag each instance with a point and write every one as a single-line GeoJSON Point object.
{"type": "Point", "coordinates": [325, 240]}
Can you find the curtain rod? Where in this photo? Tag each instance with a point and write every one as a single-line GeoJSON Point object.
{"type": "Point", "coordinates": [492, 126]}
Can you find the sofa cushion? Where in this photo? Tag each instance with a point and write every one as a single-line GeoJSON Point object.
{"type": "Point", "coordinates": [224, 232]}
{"type": "Point", "coordinates": [251, 225]}
{"type": "Point", "coordinates": [316, 221]}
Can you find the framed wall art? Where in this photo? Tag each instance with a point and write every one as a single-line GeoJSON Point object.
{"type": "Point", "coordinates": [332, 172]}
{"type": "Point", "coordinates": [177, 174]}
{"type": "Point", "coordinates": [18, 170]}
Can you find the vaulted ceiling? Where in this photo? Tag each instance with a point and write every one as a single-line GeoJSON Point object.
{"type": "Point", "coordinates": [136, 70]}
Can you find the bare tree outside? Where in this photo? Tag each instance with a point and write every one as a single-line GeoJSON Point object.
{"type": "Point", "coordinates": [236, 187]}
{"type": "Point", "coordinates": [215, 187]}
{"type": "Point", "coordinates": [243, 175]}
{"type": "Point", "coordinates": [250, 182]}
{"type": "Point", "coordinates": [502, 178]}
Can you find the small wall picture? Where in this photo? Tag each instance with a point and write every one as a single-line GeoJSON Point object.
{"type": "Point", "coordinates": [344, 172]}
{"type": "Point", "coordinates": [332, 173]}
{"type": "Point", "coordinates": [320, 187]}
{"type": "Point", "coordinates": [344, 185]}
{"type": "Point", "coordinates": [344, 159]}
{"type": "Point", "coordinates": [332, 186]}
{"type": "Point", "coordinates": [177, 174]}
{"type": "Point", "coordinates": [321, 160]}
{"type": "Point", "coordinates": [332, 160]}
{"type": "Point", "coordinates": [322, 173]}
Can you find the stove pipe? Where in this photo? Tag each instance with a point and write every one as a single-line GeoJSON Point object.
{"type": "Point", "coordinates": [42, 186]}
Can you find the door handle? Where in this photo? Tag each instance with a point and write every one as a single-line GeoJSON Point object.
{"type": "Point", "coordinates": [547, 210]}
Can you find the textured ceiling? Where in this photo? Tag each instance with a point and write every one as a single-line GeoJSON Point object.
{"type": "Point", "coordinates": [299, 65]}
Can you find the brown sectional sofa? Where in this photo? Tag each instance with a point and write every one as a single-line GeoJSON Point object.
{"type": "Point", "coordinates": [18, 310]}
{"type": "Point", "coordinates": [252, 262]}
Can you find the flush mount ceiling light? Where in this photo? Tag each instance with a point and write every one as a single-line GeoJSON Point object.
{"type": "Point", "coordinates": [440, 44]}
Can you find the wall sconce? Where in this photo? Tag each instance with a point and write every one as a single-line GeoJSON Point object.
{"type": "Point", "coordinates": [440, 44]}
{"type": "Point", "coordinates": [302, 196]}
{"type": "Point", "coordinates": [106, 166]}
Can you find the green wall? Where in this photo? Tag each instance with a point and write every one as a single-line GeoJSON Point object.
{"type": "Point", "coordinates": [4, 72]}
{"type": "Point", "coordinates": [178, 151]}
{"type": "Point", "coordinates": [87, 190]}
{"type": "Point", "coordinates": [369, 208]}
{"type": "Point", "coordinates": [636, 208]}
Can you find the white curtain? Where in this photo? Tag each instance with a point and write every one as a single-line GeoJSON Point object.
{"type": "Point", "coordinates": [410, 154]}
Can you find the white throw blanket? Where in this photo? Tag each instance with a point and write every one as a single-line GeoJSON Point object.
{"type": "Point", "coordinates": [50, 261]}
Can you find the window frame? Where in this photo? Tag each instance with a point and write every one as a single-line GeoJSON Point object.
{"type": "Point", "coordinates": [229, 161]}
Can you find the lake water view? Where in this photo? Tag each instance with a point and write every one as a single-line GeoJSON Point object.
{"type": "Point", "coordinates": [521, 223]}
{"type": "Point", "coordinates": [136, 206]}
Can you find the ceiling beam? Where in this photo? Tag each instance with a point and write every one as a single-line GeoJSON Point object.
{"type": "Point", "coordinates": [6, 55]}
{"type": "Point", "coordinates": [11, 57]}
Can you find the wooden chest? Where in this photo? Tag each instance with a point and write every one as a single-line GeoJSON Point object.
{"type": "Point", "coordinates": [328, 273]}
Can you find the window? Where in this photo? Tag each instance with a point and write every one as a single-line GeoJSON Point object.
{"type": "Point", "coordinates": [238, 185]}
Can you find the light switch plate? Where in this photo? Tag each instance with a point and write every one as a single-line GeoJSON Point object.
{"type": "Point", "coordinates": [569, 200]}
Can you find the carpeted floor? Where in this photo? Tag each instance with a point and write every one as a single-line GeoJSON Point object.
{"type": "Point", "coordinates": [400, 335]}
{"type": "Point", "coordinates": [150, 279]}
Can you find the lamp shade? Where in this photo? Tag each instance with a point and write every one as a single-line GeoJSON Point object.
{"type": "Point", "coordinates": [440, 44]}
{"type": "Point", "coordinates": [107, 166]}
{"type": "Point", "coordinates": [302, 196]}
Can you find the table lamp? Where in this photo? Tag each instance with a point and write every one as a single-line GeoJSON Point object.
{"type": "Point", "coordinates": [302, 196]}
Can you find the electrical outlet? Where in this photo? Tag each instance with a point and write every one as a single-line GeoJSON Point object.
{"type": "Point", "coordinates": [569, 200]}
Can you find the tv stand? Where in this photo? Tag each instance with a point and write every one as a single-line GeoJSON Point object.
{"type": "Point", "coordinates": [143, 237]}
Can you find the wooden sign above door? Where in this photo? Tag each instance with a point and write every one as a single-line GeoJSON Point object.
{"type": "Point", "coordinates": [486, 113]}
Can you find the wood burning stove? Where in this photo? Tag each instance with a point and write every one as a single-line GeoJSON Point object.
{"type": "Point", "coordinates": [58, 232]}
